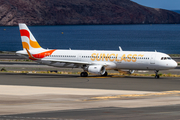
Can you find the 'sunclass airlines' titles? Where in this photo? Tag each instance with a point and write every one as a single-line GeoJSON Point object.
{"type": "Point", "coordinates": [114, 57]}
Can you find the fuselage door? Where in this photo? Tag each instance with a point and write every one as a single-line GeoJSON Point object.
{"type": "Point", "coordinates": [152, 59]}
{"type": "Point", "coordinates": [79, 57]}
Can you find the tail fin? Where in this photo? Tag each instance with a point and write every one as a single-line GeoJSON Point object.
{"type": "Point", "coordinates": [28, 40]}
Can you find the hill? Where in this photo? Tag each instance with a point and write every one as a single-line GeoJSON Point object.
{"type": "Point", "coordinates": [177, 11]}
{"type": "Point", "coordinates": [58, 12]}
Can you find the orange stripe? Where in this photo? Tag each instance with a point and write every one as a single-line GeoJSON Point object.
{"type": "Point", "coordinates": [25, 45]}
{"type": "Point", "coordinates": [43, 54]}
{"type": "Point", "coordinates": [34, 44]}
{"type": "Point", "coordinates": [30, 57]}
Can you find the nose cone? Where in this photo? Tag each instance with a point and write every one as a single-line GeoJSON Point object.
{"type": "Point", "coordinates": [173, 64]}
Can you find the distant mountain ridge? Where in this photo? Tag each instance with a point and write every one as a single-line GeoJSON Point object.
{"type": "Point", "coordinates": [63, 12]}
{"type": "Point", "coordinates": [177, 11]}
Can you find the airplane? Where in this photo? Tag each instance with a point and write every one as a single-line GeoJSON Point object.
{"type": "Point", "coordinates": [93, 61]}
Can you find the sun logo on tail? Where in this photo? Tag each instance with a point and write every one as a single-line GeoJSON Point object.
{"type": "Point", "coordinates": [28, 44]}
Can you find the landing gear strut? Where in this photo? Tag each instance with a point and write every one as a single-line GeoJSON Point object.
{"type": "Point", "coordinates": [156, 72]}
{"type": "Point", "coordinates": [84, 74]}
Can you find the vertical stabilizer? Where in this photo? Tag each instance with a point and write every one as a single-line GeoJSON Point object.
{"type": "Point", "coordinates": [28, 40]}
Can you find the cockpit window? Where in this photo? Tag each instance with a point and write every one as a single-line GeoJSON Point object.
{"type": "Point", "coordinates": [166, 58]}
{"type": "Point", "coordinates": [169, 58]}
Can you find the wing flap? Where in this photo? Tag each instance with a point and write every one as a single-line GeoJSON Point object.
{"type": "Point", "coordinates": [78, 63]}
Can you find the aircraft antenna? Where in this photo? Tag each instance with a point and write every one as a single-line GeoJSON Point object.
{"type": "Point", "coordinates": [120, 48]}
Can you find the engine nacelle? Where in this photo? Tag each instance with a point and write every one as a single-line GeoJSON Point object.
{"type": "Point", "coordinates": [96, 69]}
{"type": "Point", "coordinates": [126, 71]}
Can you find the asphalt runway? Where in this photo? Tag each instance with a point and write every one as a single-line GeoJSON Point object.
{"type": "Point", "coordinates": [147, 113]}
{"type": "Point", "coordinates": [102, 109]}
{"type": "Point", "coordinates": [92, 82]}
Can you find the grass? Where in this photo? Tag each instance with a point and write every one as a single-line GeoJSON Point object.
{"type": "Point", "coordinates": [3, 69]}
{"type": "Point", "coordinates": [15, 60]}
{"type": "Point", "coordinates": [174, 55]}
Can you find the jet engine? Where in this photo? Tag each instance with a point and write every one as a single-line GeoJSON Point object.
{"type": "Point", "coordinates": [126, 71]}
{"type": "Point", "coordinates": [96, 69]}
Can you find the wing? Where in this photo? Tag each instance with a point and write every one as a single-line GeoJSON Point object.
{"type": "Point", "coordinates": [78, 63]}
{"type": "Point", "coordinates": [67, 61]}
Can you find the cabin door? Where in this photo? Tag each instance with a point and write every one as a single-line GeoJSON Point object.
{"type": "Point", "coordinates": [79, 57]}
{"type": "Point", "coordinates": [152, 59]}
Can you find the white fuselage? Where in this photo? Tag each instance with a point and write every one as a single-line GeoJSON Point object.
{"type": "Point", "coordinates": [112, 60]}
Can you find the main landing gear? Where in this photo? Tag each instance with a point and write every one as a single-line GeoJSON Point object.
{"type": "Point", "coordinates": [84, 74]}
{"type": "Point", "coordinates": [105, 74]}
{"type": "Point", "coordinates": [156, 72]}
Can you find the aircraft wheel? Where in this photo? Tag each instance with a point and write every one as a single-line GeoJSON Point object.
{"type": "Point", "coordinates": [157, 76]}
{"type": "Point", "coordinates": [84, 74]}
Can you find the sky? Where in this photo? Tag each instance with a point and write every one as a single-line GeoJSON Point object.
{"type": "Point", "coordinates": [164, 4]}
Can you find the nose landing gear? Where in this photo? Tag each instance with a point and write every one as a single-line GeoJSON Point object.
{"type": "Point", "coordinates": [156, 72]}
